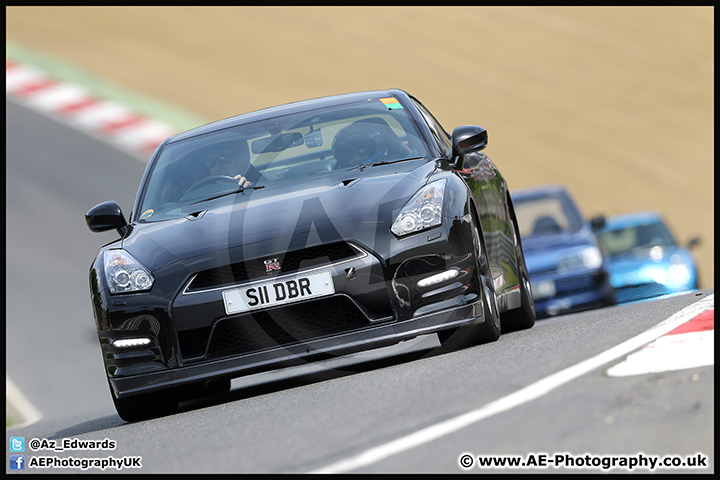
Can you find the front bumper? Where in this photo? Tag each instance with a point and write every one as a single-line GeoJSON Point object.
{"type": "Point", "coordinates": [646, 291]}
{"type": "Point", "coordinates": [573, 292]}
{"type": "Point", "coordinates": [377, 302]}
{"type": "Point", "coordinates": [279, 357]}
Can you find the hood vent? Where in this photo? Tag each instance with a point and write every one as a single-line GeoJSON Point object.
{"type": "Point", "coordinates": [195, 215]}
{"type": "Point", "coordinates": [348, 183]}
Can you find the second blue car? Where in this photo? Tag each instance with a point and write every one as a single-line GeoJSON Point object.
{"type": "Point", "coordinates": [645, 259]}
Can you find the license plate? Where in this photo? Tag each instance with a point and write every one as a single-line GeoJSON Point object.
{"type": "Point", "coordinates": [544, 289]}
{"type": "Point", "coordinates": [278, 292]}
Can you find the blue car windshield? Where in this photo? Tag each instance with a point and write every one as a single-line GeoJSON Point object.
{"type": "Point", "coordinates": [546, 214]}
{"type": "Point", "coordinates": [280, 149]}
{"type": "Point", "coordinates": [625, 240]}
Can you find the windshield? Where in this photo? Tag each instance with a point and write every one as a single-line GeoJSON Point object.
{"type": "Point", "coordinates": [624, 240]}
{"type": "Point", "coordinates": [546, 214]}
{"type": "Point", "coordinates": [283, 149]}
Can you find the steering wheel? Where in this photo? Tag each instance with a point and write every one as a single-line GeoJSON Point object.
{"type": "Point", "coordinates": [212, 179]}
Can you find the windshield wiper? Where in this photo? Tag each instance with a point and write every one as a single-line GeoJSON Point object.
{"type": "Point", "coordinates": [232, 192]}
{"type": "Point", "coordinates": [251, 187]}
{"type": "Point", "coordinates": [384, 162]}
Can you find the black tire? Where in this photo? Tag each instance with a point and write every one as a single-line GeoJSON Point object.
{"type": "Point", "coordinates": [489, 330]}
{"type": "Point", "coordinates": [218, 387]}
{"type": "Point", "coordinates": [146, 405]}
{"type": "Point", "coordinates": [206, 389]}
{"type": "Point", "coordinates": [524, 316]}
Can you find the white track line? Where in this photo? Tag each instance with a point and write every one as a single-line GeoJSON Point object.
{"type": "Point", "coordinates": [517, 398]}
{"type": "Point", "coordinates": [670, 352]}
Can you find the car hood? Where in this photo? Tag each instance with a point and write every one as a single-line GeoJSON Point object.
{"type": "Point", "coordinates": [542, 252]}
{"type": "Point", "coordinates": [647, 265]}
{"type": "Point", "coordinates": [341, 206]}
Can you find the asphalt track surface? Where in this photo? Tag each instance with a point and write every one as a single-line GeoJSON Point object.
{"type": "Point", "coordinates": [362, 415]}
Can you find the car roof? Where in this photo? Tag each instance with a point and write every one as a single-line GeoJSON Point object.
{"type": "Point", "coordinates": [288, 108]}
{"type": "Point", "coordinates": [632, 219]}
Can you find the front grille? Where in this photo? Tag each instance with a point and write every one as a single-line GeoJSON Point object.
{"type": "Point", "coordinates": [644, 291]}
{"type": "Point", "coordinates": [285, 325]}
{"type": "Point", "coordinates": [572, 283]}
{"type": "Point", "coordinates": [290, 262]}
{"type": "Point", "coordinates": [193, 342]}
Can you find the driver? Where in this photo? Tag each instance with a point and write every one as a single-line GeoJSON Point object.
{"type": "Point", "coordinates": [358, 144]}
{"type": "Point", "coordinates": [231, 163]}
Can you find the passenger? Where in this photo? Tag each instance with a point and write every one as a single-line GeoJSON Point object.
{"type": "Point", "coordinates": [358, 144]}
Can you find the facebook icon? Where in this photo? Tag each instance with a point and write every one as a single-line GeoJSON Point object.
{"type": "Point", "coordinates": [17, 462]}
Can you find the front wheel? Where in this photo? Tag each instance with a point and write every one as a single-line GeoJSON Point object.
{"type": "Point", "coordinates": [485, 332]}
{"type": "Point", "coordinates": [524, 316]}
{"type": "Point", "coordinates": [489, 330]}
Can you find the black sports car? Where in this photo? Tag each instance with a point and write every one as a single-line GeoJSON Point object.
{"type": "Point", "coordinates": [297, 232]}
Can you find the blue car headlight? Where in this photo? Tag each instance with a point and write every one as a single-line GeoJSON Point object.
{"type": "Point", "coordinates": [424, 210]}
{"type": "Point", "coordinates": [678, 273]}
{"type": "Point", "coordinates": [124, 274]}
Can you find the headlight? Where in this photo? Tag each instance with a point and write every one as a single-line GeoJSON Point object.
{"type": "Point", "coordinates": [592, 258]}
{"type": "Point", "coordinates": [124, 274]}
{"type": "Point", "coordinates": [589, 257]}
{"type": "Point", "coordinates": [678, 273]}
{"type": "Point", "coordinates": [424, 210]}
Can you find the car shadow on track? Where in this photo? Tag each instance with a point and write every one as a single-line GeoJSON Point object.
{"type": "Point", "coordinates": [314, 372]}
{"type": "Point", "coordinates": [276, 381]}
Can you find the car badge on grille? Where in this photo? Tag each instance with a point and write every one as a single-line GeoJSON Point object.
{"type": "Point", "coordinates": [272, 265]}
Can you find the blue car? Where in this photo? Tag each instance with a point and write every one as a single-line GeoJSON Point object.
{"type": "Point", "coordinates": [645, 260]}
{"type": "Point", "coordinates": [567, 266]}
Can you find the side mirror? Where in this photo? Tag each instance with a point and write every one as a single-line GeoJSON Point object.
{"type": "Point", "coordinates": [693, 242]}
{"type": "Point", "coordinates": [597, 222]}
{"type": "Point", "coordinates": [467, 139]}
{"type": "Point", "coordinates": [106, 216]}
